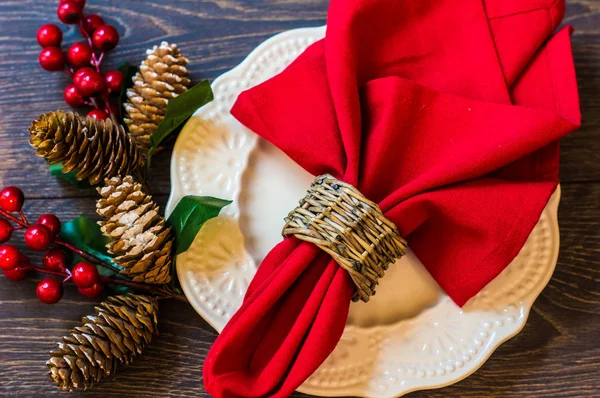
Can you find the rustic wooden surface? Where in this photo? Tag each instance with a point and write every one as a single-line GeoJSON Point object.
{"type": "Point", "coordinates": [556, 355]}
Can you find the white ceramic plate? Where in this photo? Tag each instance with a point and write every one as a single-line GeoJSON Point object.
{"type": "Point", "coordinates": [411, 336]}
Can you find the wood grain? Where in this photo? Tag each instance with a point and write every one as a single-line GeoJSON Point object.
{"type": "Point", "coordinates": [556, 355]}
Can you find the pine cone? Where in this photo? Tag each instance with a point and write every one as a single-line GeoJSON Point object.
{"type": "Point", "coordinates": [140, 237]}
{"type": "Point", "coordinates": [162, 76]}
{"type": "Point", "coordinates": [95, 149]}
{"type": "Point", "coordinates": [119, 330]}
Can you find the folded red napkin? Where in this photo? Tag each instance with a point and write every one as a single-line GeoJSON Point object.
{"type": "Point", "coordinates": [448, 115]}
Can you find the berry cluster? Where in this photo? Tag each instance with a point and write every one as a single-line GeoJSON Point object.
{"type": "Point", "coordinates": [39, 237]}
{"type": "Point", "coordinates": [83, 59]}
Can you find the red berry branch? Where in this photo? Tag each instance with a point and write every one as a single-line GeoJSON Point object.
{"type": "Point", "coordinates": [39, 237]}
{"type": "Point", "coordinates": [83, 59]}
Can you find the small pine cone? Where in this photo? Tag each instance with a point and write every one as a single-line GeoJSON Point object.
{"type": "Point", "coordinates": [140, 238]}
{"type": "Point", "coordinates": [120, 329]}
{"type": "Point", "coordinates": [162, 76]}
{"type": "Point", "coordinates": [95, 149]}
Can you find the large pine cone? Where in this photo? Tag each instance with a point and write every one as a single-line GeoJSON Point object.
{"type": "Point", "coordinates": [140, 238]}
{"type": "Point", "coordinates": [162, 76]}
{"type": "Point", "coordinates": [119, 330]}
{"type": "Point", "coordinates": [95, 149]}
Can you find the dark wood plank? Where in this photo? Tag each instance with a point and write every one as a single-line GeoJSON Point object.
{"type": "Point", "coordinates": [556, 355]}
{"type": "Point", "coordinates": [214, 35]}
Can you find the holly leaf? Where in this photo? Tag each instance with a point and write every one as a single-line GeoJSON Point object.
{"type": "Point", "coordinates": [56, 171]}
{"type": "Point", "coordinates": [85, 234]}
{"type": "Point", "coordinates": [128, 72]}
{"type": "Point", "coordinates": [179, 110]}
{"type": "Point", "coordinates": [190, 214]}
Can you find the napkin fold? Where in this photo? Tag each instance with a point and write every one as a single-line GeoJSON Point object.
{"type": "Point", "coordinates": [448, 115]}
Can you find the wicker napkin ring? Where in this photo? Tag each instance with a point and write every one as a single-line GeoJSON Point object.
{"type": "Point", "coordinates": [337, 218]}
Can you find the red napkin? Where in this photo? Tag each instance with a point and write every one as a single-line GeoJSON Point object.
{"type": "Point", "coordinates": [447, 114]}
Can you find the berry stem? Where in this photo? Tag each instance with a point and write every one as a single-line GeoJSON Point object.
{"type": "Point", "coordinates": [95, 104]}
{"type": "Point", "coordinates": [113, 117]}
{"type": "Point", "coordinates": [13, 219]}
{"type": "Point", "coordinates": [96, 61]}
{"type": "Point", "coordinates": [69, 71]}
{"type": "Point", "coordinates": [152, 289]}
{"type": "Point", "coordinates": [87, 256]}
{"type": "Point", "coordinates": [100, 58]}
{"type": "Point", "coordinates": [46, 271]}
{"type": "Point", "coordinates": [23, 217]}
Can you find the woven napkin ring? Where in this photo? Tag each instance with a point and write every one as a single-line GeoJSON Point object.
{"type": "Point", "coordinates": [337, 218]}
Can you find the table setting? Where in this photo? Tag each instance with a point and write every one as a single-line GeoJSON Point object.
{"type": "Point", "coordinates": [367, 207]}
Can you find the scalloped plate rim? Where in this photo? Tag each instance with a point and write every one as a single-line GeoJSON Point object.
{"type": "Point", "coordinates": [529, 300]}
{"type": "Point", "coordinates": [452, 378]}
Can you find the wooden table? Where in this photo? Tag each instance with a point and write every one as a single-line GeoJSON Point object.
{"type": "Point", "coordinates": [558, 352]}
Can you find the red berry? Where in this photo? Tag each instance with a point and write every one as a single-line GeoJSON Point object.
{"type": "Point", "coordinates": [69, 12]}
{"type": "Point", "coordinates": [85, 275]}
{"type": "Point", "coordinates": [73, 97]}
{"type": "Point", "coordinates": [90, 23]}
{"type": "Point", "coordinates": [6, 230]}
{"type": "Point", "coordinates": [93, 291]}
{"type": "Point", "coordinates": [11, 199]}
{"type": "Point", "coordinates": [15, 274]}
{"type": "Point", "coordinates": [105, 37]}
{"type": "Point", "coordinates": [38, 237]}
{"type": "Point", "coordinates": [114, 80]}
{"type": "Point", "coordinates": [79, 54]}
{"type": "Point", "coordinates": [98, 114]}
{"type": "Point", "coordinates": [9, 257]}
{"type": "Point", "coordinates": [81, 73]}
{"type": "Point", "coordinates": [88, 82]}
{"type": "Point", "coordinates": [52, 59]}
{"type": "Point", "coordinates": [49, 291]}
{"type": "Point", "coordinates": [51, 222]}
{"type": "Point", "coordinates": [55, 260]}
{"type": "Point", "coordinates": [49, 35]}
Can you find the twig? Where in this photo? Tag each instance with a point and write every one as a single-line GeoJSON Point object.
{"type": "Point", "coordinates": [156, 290]}
{"type": "Point", "coordinates": [85, 255]}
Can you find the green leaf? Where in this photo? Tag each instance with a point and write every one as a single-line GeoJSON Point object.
{"type": "Point", "coordinates": [56, 171]}
{"type": "Point", "coordinates": [189, 216]}
{"type": "Point", "coordinates": [128, 72]}
{"type": "Point", "coordinates": [179, 110]}
{"type": "Point", "coordinates": [85, 234]}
